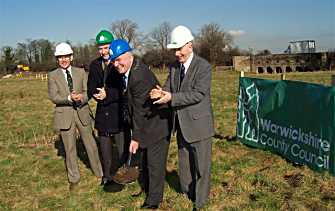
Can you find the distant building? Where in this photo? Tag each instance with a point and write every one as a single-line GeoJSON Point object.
{"type": "Point", "coordinates": [302, 46]}
{"type": "Point", "coordinates": [300, 56]}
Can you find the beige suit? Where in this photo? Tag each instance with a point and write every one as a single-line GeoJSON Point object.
{"type": "Point", "coordinates": [67, 118]}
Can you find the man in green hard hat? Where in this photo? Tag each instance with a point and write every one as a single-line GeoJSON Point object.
{"type": "Point", "coordinates": [105, 86]}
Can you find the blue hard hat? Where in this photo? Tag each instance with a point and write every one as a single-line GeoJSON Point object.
{"type": "Point", "coordinates": [117, 48]}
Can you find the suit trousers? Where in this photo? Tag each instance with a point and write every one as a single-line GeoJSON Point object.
{"type": "Point", "coordinates": [110, 158]}
{"type": "Point", "coordinates": [194, 162]}
{"type": "Point", "coordinates": [69, 140]}
{"type": "Point", "coordinates": [122, 141]}
{"type": "Point", "coordinates": [153, 165]}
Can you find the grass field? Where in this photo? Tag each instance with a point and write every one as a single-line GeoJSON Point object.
{"type": "Point", "coordinates": [33, 177]}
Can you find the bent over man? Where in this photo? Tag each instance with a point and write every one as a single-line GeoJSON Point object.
{"type": "Point", "coordinates": [149, 123]}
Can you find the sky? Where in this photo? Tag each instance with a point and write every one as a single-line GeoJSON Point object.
{"type": "Point", "coordinates": [255, 24]}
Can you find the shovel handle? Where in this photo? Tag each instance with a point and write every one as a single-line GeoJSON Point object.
{"type": "Point", "coordinates": [129, 159]}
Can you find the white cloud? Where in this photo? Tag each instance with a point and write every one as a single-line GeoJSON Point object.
{"type": "Point", "coordinates": [236, 33]}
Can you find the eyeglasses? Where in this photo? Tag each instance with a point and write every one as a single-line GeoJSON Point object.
{"type": "Point", "coordinates": [66, 57]}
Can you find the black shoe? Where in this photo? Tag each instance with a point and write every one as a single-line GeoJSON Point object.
{"type": "Point", "coordinates": [102, 183]}
{"type": "Point", "coordinates": [149, 206]}
{"type": "Point", "coordinates": [112, 187]}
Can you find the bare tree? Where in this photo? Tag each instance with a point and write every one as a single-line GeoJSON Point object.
{"type": "Point", "coordinates": [157, 54]}
{"type": "Point", "coordinates": [126, 29]}
{"type": "Point", "coordinates": [160, 35]}
{"type": "Point", "coordinates": [213, 43]}
{"type": "Point", "coordinates": [26, 51]}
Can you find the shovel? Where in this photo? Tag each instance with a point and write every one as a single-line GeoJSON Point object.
{"type": "Point", "coordinates": [126, 174]}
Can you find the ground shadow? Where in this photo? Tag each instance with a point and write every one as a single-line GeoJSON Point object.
{"type": "Point", "coordinates": [172, 179]}
{"type": "Point", "coordinates": [231, 138]}
{"type": "Point", "coordinates": [227, 137]}
{"type": "Point", "coordinates": [81, 151]}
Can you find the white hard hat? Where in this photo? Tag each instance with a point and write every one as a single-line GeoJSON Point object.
{"type": "Point", "coordinates": [179, 37]}
{"type": "Point", "coordinates": [63, 49]}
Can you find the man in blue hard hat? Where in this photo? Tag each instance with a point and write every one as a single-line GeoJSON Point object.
{"type": "Point", "coordinates": [149, 123]}
{"type": "Point", "coordinates": [104, 85]}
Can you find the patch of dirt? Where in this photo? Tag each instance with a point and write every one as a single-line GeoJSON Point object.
{"type": "Point", "coordinates": [27, 146]}
{"type": "Point", "coordinates": [294, 179]}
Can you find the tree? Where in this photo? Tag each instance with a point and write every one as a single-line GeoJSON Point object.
{"type": "Point", "coordinates": [157, 53]}
{"type": "Point", "coordinates": [212, 42]}
{"type": "Point", "coordinates": [84, 54]}
{"type": "Point", "coordinates": [45, 51]}
{"type": "Point", "coordinates": [8, 58]}
{"type": "Point", "coordinates": [160, 35]}
{"type": "Point", "coordinates": [127, 30]}
{"type": "Point", "coordinates": [27, 51]}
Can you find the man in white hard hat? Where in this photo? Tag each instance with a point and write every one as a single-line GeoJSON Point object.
{"type": "Point", "coordinates": [187, 90]}
{"type": "Point", "coordinates": [67, 87]}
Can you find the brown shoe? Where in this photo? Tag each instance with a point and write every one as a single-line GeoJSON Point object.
{"type": "Point", "coordinates": [73, 186]}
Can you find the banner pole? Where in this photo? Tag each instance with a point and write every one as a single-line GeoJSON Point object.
{"type": "Point", "coordinates": [283, 76]}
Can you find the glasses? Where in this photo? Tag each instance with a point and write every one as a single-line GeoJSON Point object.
{"type": "Point", "coordinates": [64, 57]}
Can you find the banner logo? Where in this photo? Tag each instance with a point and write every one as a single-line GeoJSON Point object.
{"type": "Point", "coordinates": [247, 114]}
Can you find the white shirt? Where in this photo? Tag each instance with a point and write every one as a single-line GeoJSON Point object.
{"type": "Point", "coordinates": [64, 72]}
{"type": "Point", "coordinates": [126, 77]}
{"type": "Point", "coordinates": [188, 62]}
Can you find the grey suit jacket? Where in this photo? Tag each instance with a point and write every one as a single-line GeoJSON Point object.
{"type": "Point", "coordinates": [192, 100]}
{"type": "Point", "coordinates": [58, 93]}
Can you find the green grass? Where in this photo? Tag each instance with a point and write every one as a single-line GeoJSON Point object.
{"type": "Point", "coordinates": [33, 177]}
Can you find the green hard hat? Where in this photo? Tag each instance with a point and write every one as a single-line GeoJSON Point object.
{"type": "Point", "coordinates": [104, 37]}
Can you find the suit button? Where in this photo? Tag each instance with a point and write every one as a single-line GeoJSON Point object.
{"type": "Point", "coordinates": [106, 113]}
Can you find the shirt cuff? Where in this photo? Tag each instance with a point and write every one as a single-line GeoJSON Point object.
{"type": "Point", "coordinates": [69, 98]}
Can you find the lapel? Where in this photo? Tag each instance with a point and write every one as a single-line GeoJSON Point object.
{"type": "Point", "coordinates": [189, 74]}
{"type": "Point", "coordinates": [175, 75]}
{"type": "Point", "coordinates": [130, 78]}
{"type": "Point", "coordinates": [75, 79]}
{"type": "Point", "coordinates": [104, 71]}
{"type": "Point", "coordinates": [61, 79]}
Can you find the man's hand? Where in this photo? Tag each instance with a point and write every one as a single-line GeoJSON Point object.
{"type": "Point", "coordinates": [133, 146]}
{"type": "Point", "coordinates": [73, 96]}
{"type": "Point", "coordinates": [101, 95]}
{"type": "Point", "coordinates": [166, 97]}
{"type": "Point", "coordinates": [156, 93]}
{"type": "Point", "coordinates": [76, 97]}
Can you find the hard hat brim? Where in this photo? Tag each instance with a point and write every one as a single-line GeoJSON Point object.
{"type": "Point", "coordinates": [59, 54]}
{"type": "Point", "coordinates": [178, 45]}
{"type": "Point", "coordinates": [174, 45]}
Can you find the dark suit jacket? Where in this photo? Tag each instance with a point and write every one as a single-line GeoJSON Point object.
{"type": "Point", "coordinates": [192, 100]}
{"type": "Point", "coordinates": [149, 122]}
{"type": "Point", "coordinates": [58, 93]}
{"type": "Point", "coordinates": [108, 112]}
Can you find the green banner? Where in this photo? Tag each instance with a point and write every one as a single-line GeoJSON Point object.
{"type": "Point", "coordinates": [293, 119]}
